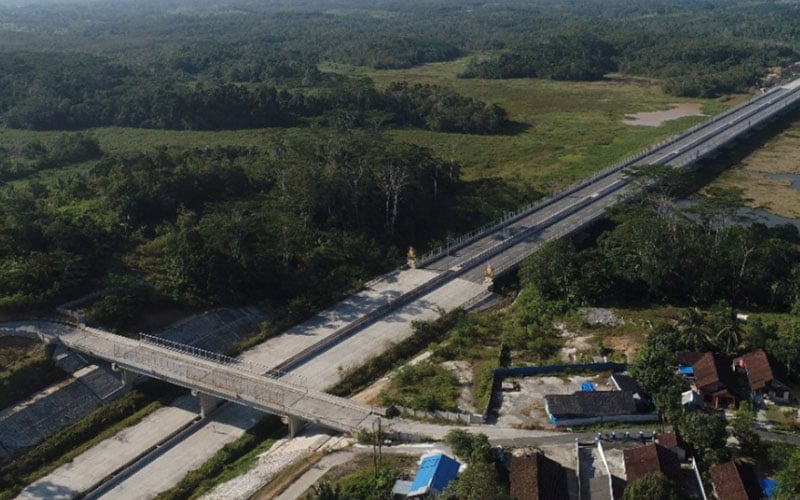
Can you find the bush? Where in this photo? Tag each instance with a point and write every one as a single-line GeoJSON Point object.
{"type": "Point", "coordinates": [424, 386]}
{"type": "Point", "coordinates": [24, 378]}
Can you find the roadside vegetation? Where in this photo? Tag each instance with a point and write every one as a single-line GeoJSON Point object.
{"type": "Point", "coordinates": [22, 377]}
{"type": "Point", "coordinates": [362, 480]}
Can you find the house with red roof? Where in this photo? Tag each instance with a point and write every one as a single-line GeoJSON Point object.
{"type": "Point", "coordinates": [761, 376]}
{"type": "Point", "coordinates": [651, 458]}
{"type": "Point", "coordinates": [536, 477]}
{"type": "Point", "coordinates": [715, 380]}
{"type": "Point", "coordinates": [736, 480]}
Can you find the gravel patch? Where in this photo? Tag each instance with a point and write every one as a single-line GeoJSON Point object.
{"type": "Point", "coordinates": [600, 316]}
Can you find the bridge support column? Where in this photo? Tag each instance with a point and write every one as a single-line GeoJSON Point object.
{"type": "Point", "coordinates": [207, 403]}
{"type": "Point", "coordinates": [295, 425]}
{"type": "Point", "coordinates": [128, 377]}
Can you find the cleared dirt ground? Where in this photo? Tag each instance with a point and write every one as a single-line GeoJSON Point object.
{"type": "Point", "coordinates": [525, 408]}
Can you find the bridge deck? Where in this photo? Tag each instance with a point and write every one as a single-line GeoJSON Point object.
{"type": "Point", "coordinates": [230, 381]}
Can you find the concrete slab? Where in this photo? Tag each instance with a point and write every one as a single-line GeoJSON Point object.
{"type": "Point", "coordinates": [276, 350]}
{"type": "Point", "coordinates": [328, 368]}
{"type": "Point", "coordinates": [70, 480]}
{"type": "Point", "coordinates": [215, 330]}
{"type": "Point", "coordinates": [104, 383]}
{"type": "Point", "coordinates": [284, 453]}
{"type": "Point", "coordinates": [168, 468]}
{"type": "Point", "coordinates": [793, 84]}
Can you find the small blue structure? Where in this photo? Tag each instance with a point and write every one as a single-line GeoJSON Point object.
{"type": "Point", "coordinates": [686, 371]}
{"type": "Point", "coordinates": [434, 474]}
{"type": "Point", "coordinates": [768, 486]}
{"type": "Point", "coordinates": [587, 386]}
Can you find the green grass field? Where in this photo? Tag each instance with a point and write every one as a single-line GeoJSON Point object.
{"type": "Point", "coordinates": [563, 131]}
{"type": "Point", "coordinates": [567, 129]}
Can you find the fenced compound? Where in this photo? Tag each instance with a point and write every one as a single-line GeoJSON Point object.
{"type": "Point", "coordinates": [532, 371]}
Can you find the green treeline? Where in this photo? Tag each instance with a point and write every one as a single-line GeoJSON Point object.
{"type": "Point", "coordinates": [695, 67]}
{"type": "Point", "coordinates": [580, 57]}
{"type": "Point", "coordinates": [57, 92]}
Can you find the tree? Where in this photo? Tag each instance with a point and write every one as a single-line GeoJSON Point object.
{"type": "Point", "coordinates": [653, 485]}
{"type": "Point", "coordinates": [653, 368]}
{"type": "Point", "coordinates": [759, 333]}
{"type": "Point", "coordinates": [472, 447]}
{"type": "Point", "coordinates": [553, 269]}
{"type": "Point", "coordinates": [726, 328]}
{"type": "Point", "coordinates": [788, 478]}
{"type": "Point", "coordinates": [693, 331]}
{"type": "Point", "coordinates": [786, 346]}
{"type": "Point", "coordinates": [479, 481]}
{"type": "Point", "coordinates": [706, 433]}
{"type": "Point", "coordinates": [743, 424]}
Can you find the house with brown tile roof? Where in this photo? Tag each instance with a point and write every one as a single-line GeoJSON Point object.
{"type": "Point", "coordinates": [735, 480]}
{"type": "Point", "coordinates": [761, 375]}
{"type": "Point", "coordinates": [536, 477]}
{"type": "Point", "coordinates": [674, 443]}
{"type": "Point", "coordinates": [715, 381]}
{"type": "Point", "coordinates": [651, 458]}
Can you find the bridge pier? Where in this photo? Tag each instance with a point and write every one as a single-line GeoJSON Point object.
{"type": "Point", "coordinates": [295, 425]}
{"type": "Point", "coordinates": [208, 403]}
{"type": "Point", "coordinates": [128, 377]}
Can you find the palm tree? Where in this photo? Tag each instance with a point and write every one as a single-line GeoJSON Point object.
{"type": "Point", "coordinates": [693, 330]}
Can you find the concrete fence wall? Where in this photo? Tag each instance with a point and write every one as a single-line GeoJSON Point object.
{"type": "Point", "coordinates": [469, 418]}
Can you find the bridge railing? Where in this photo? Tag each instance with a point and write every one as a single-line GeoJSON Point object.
{"type": "Point", "coordinates": [249, 366]}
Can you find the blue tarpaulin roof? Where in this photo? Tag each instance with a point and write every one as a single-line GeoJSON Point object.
{"type": "Point", "coordinates": [434, 474]}
{"type": "Point", "coordinates": [587, 386]}
{"type": "Point", "coordinates": [768, 486]}
{"type": "Point", "coordinates": [686, 370]}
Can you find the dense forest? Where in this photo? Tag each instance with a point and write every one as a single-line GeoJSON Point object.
{"type": "Point", "coordinates": [56, 92]}
{"type": "Point", "coordinates": [228, 224]}
{"type": "Point", "coordinates": [698, 48]}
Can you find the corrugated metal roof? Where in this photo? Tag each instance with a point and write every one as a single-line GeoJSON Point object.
{"type": "Point", "coordinates": [434, 474]}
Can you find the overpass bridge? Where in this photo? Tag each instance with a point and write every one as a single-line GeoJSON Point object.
{"type": "Point", "coordinates": [268, 387]}
{"type": "Point", "coordinates": [215, 377]}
